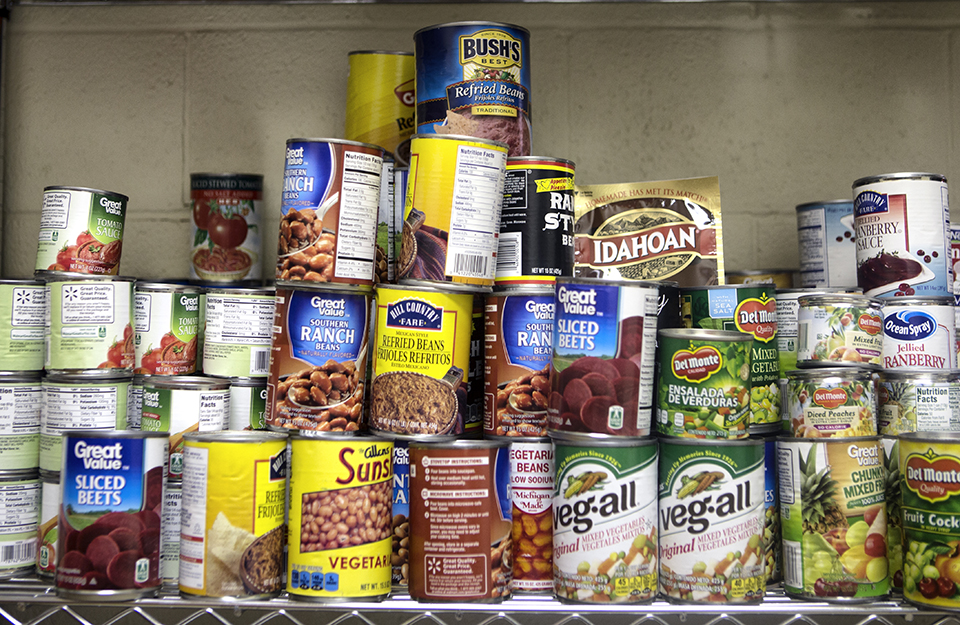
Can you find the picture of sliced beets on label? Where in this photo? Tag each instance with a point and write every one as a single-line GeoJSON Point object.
{"type": "Point", "coordinates": [114, 550]}
{"type": "Point", "coordinates": [601, 395]}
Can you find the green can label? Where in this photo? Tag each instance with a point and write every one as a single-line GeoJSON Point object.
{"type": "Point", "coordinates": [22, 318]}
{"type": "Point", "coordinates": [179, 411]}
{"type": "Point", "coordinates": [891, 465]}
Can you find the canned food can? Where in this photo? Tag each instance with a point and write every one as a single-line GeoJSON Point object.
{"type": "Point", "coordinates": [451, 560]}
{"type": "Point", "coordinates": [891, 481]}
{"type": "Point", "coordinates": [47, 529]}
{"type": "Point", "coordinates": [476, 374]}
{"type": "Point", "coordinates": [518, 345]}
{"type": "Point", "coordinates": [170, 534]}
{"type": "Point", "coordinates": [380, 98]}
{"type": "Point", "coordinates": [452, 211]}
{"type": "Point", "coordinates": [226, 243]}
{"type": "Point", "coordinates": [839, 330]}
{"type": "Point", "coordinates": [21, 403]}
{"type": "Point", "coordinates": [19, 522]}
{"type": "Point", "coordinates": [421, 360]}
{"type": "Point", "coordinates": [903, 244]}
{"type": "Point", "coordinates": [166, 321]}
{"type": "Point", "coordinates": [772, 534]}
{"type": "Point", "coordinates": [536, 222]}
{"type": "Point", "coordinates": [788, 306]}
{"type": "Point", "coordinates": [751, 309]}
{"type": "Point", "coordinates": [400, 177]}
{"type": "Point", "coordinates": [109, 528]}
{"type": "Point", "coordinates": [92, 401]}
{"type": "Point", "coordinates": [669, 313]}
{"type": "Point", "coordinates": [827, 237]}
{"type": "Point", "coordinates": [831, 403]}
{"type": "Point", "coordinates": [331, 196]}
{"type": "Point", "coordinates": [532, 479]}
{"type": "Point", "coordinates": [704, 383]}
{"type": "Point", "coordinates": [238, 329]}
{"type": "Point", "coordinates": [400, 525]}
{"type": "Point", "coordinates": [322, 564]}
{"type": "Point", "coordinates": [318, 360]}
{"type": "Point", "coordinates": [604, 348]}
{"type": "Point", "coordinates": [22, 319]}
{"type": "Point", "coordinates": [712, 521]}
{"type": "Point", "coordinates": [919, 333]}
{"type": "Point", "coordinates": [232, 532]}
{"type": "Point", "coordinates": [385, 270]}
{"type": "Point", "coordinates": [833, 511]}
{"type": "Point", "coordinates": [248, 404]}
{"type": "Point", "coordinates": [918, 401]}
{"type": "Point", "coordinates": [605, 519]}
{"type": "Point", "coordinates": [183, 404]}
{"type": "Point", "coordinates": [473, 78]}
{"type": "Point", "coordinates": [779, 278]}
{"type": "Point", "coordinates": [90, 323]}
{"type": "Point", "coordinates": [135, 402]}
{"type": "Point", "coordinates": [81, 230]}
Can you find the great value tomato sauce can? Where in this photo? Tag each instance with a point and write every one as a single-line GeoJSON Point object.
{"type": "Point", "coordinates": [81, 230]}
{"type": "Point", "coordinates": [227, 220]}
{"type": "Point", "coordinates": [166, 323]}
{"type": "Point", "coordinates": [238, 327]}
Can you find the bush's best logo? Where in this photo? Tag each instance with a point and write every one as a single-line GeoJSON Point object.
{"type": "Point", "coordinates": [491, 48]}
{"type": "Point", "coordinates": [757, 317]}
{"type": "Point", "coordinates": [933, 477]}
{"type": "Point", "coordinates": [829, 398]}
{"type": "Point", "coordinates": [696, 366]}
{"type": "Point", "coordinates": [871, 324]}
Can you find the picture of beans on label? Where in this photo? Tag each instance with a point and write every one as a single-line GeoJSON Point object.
{"type": "Point", "coordinates": [527, 394]}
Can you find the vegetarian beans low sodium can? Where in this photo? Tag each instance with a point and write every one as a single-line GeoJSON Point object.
{"type": "Point", "coordinates": [919, 333]}
{"type": "Point", "coordinates": [839, 330]}
{"type": "Point", "coordinates": [918, 401]}
{"type": "Point", "coordinates": [712, 521]}
{"type": "Point", "coordinates": [532, 478]}
{"type": "Point", "coordinates": [22, 318]}
{"type": "Point", "coordinates": [704, 383]}
{"type": "Point", "coordinates": [460, 545]}
{"type": "Point", "coordinates": [605, 519]}
{"type": "Point", "coordinates": [232, 528]}
{"type": "Point", "coordinates": [227, 218]}
{"type": "Point", "coordinates": [833, 512]}
{"type": "Point", "coordinates": [831, 403]}
{"type": "Point", "coordinates": [340, 519]}
{"type": "Point", "coordinates": [237, 332]}
{"type": "Point", "coordinates": [166, 323]}
{"type": "Point", "coordinates": [109, 528]}
{"type": "Point", "coordinates": [81, 230]}
{"type": "Point", "coordinates": [19, 521]}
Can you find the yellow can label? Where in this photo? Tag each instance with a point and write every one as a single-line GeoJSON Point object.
{"type": "Point", "coordinates": [380, 99]}
{"type": "Point", "coordinates": [340, 540]}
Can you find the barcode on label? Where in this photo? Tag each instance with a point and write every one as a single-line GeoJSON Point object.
{"type": "Point", "coordinates": [792, 564]}
{"type": "Point", "coordinates": [508, 253]}
{"type": "Point", "coordinates": [18, 553]}
{"type": "Point", "coordinates": [259, 361]}
{"type": "Point", "coordinates": [470, 265]}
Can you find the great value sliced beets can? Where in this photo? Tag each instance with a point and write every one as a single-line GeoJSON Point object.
{"type": "Point", "coordinates": [340, 519]}
{"type": "Point", "coordinates": [81, 230]}
{"type": "Point", "coordinates": [919, 333]}
{"type": "Point", "coordinates": [109, 527]}
{"type": "Point", "coordinates": [711, 501]}
{"type": "Point", "coordinates": [19, 522]}
{"type": "Point", "coordinates": [918, 401]}
{"type": "Point", "coordinates": [605, 519]}
{"type": "Point", "coordinates": [227, 220]}
{"type": "Point", "coordinates": [828, 253]}
{"type": "Point", "coordinates": [839, 329]}
{"type": "Point", "coordinates": [536, 222]}
{"type": "Point", "coordinates": [831, 403]}
{"type": "Point", "coordinates": [331, 198]}
{"type": "Point", "coordinates": [473, 78]}
{"type": "Point", "coordinates": [903, 242]}
{"type": "Point", "coordinates": [237, 332]}
{"type": "Point", "coordinates": [604, 344]}
{"type": "Point", "coordinates": [22, 319]}
{"type": "Point", "coordinates": [452, 211]}
{"type": "Point", "coordinates": [532, 479]}
{"type": "Point", "coordinates": [318, 361]}
{"type": "Point", "coordinates": [21, 404]}
{"type": "Point", "coordinates": [166, 323]}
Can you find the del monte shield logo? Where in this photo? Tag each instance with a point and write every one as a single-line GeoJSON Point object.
{"type": "Point", "coordinates": [933, 477]}
{"type": "Point", "coordinates": [696, 366]}
{"type": "Point", "coordinates": [757, 317]}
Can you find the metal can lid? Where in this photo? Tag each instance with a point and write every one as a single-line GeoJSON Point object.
{"type": "Point", "coordinates": [264, 291]}
{"type": "Point", "coordinates": [27, 282]}
{"type": "Point", "coordinates": [471, 23]}
{"type": "Point", "coordinates": [704, 334]}
{"type": "Point", "coordinates": [248, 382]}
{"type": "Point", "coordinates": [930, 376]}
{"type": "Point", "coordinates": [468, 138]}
{"type": "Point", "coordinates": [650, 284]}
{"type": "Point", "coordinates": [387, 52]}
{"type": "Point", "coordinates": [857, 372]}
{"type": "Point", "coordinates": [809, 205]}
{"type": "Point", "coordinates": [114, 434]}
{"type": "Point", "coordinates": [336, 142]}
{"type": "Point", "coordinates": [786, 438]}
{"type": "Point", "coordinates": [522, 290]}
{"type": "Point", "coordinates": [335, 289]}
{"type": "Point", "coordinates": [88, 376]}
{"type": "Point", "coordinates": [460, 443]}
{"type": "Point", "coordinates": [20, 475]}
{"type": "Point", "coordinates": [165, 287]}
{"type": "Point", "coordinates": [593, 439]}
{"type": "Point", "coordinates": [234, 436]}
{"type": "Point", "coordinates": [728, 287]}
{"type": "Point", "coordinates": [14, 377]}
{"type": "Point", "coordinates": [225, 175]}
{"type": "Point", "coordinates": [88, 190]}
{"type": "Point", "coordinates": [817, 290]}
{"type": "Point", "coordinates": [919, 300]}
{"type": "Point", "coordinates": [906, 175]}
{"type": "Point", "coordinates": [186, 382]}
{"type": "Point", "coordinates": [747, 441]}
{"type": "Point", "coordinates": [72, 276]}
{"type": "Point", "coordinates": [851, 299]}
{"type": "Point", "coordinates": [520, 160]}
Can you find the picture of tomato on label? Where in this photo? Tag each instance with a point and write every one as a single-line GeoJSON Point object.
{"type": "Point", "coordinates": [221, 228]}
{"type": "Point", "coordinates": [88, 255]}
{"type": "Point", "coordinates": [120, 352]}
{"type": "Point", "coordinates": [171, 357]}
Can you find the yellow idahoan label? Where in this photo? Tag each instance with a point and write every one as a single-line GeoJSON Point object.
{"type": "Point", "coordinates": [341, 518]}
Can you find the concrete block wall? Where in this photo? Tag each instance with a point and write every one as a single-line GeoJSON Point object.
{"type": "Point", "coordinates": [785, 102]}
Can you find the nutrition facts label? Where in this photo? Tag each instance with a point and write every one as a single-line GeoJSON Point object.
{"type": "Point", "coordinates": [239, 320]}
{"type": "Point", "coordinates": [20, 409]}
{"type": "Point", "coordinates": [193, 517]}
{"type": "Point", "coordinates": [475, 213]}
{"type": "Point", "coordinates": [19, 507]}
{"type": "Point", "coordinates": [79, 408]}
{"type": "Point", "coordinates": [359, 208]}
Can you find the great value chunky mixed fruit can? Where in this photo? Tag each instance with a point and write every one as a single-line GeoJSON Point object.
{"type": "Point", "coordinates": [81, 230]}
{"type": "Point", "coordinates": [833, 512]}
{"type": "Point", "coordinates": [711, 503]}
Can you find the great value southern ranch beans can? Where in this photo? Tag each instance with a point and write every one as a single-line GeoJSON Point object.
{"type": "Point", "coordinates": [903, 240]}
{"type": "Point", "coordinates": [166, 323]}
{"type": "Point", "coordinates": [328, 224]}
{"type": "Point", "coordinates": [227, 219]}
{"type": "Point", "coordinates": [831, 403]}
{"type": "Point", "coordinates": [532, 479]}
{"type": "Point", "coordinates": [232, 531]}
{"type": "Point", "coordinates": [22, 319]}
{"type": "Point", "coordinates": [712, 521]}
{"type": "Point", "coordinates": [924, 401]}
{"type": "Point", "coordinates": [81, 230]}
{"type": "Point", "coordinates": [828, 253]}
{"type": "Point", "coordinates": [605, 519]}
{"type": "Point", "coordinates": [21, 404]}
{"type": "Point", "coordinates": [919, 333]}
{"type": "Point", "coordinates": [237, 332]}
{"type": "Point", "coordinates": [833, 511]}
{"type": "Point", "coordinates": [460, 540]}
{"type": "Point", "coordinates": [604, 344]}
{"type": "Point", "coordinates": [109, 529]}
{"type": "Point", "coordinates": [339, 545]}
{"type": "Point", "coordinates": [839, 329]}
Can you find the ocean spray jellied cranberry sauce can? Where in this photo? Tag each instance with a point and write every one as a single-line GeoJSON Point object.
{"type": "Point", "coordinates": [919, 333]}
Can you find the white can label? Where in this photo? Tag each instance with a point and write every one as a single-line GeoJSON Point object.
{"type": "Point", "coordinates": [919, 337]}
{"type": "Point", "coordinates": [193, 518]}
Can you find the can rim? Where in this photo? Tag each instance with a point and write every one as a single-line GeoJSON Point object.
{"type": "Point", "coordinates": [817, 290]}
{"type": "Point", "coordinates": [930, 437]}
{"type": "Point", "coordinates": [920, 300]}
{"type": "Point", "coordinates": [390, 52]}
{"type": "Point", "coordinates": [247, 382]}
{"type": "Point", "coordinates": [47, 276]}
{"type": "Point", "coordinates": [846, 439]}
{"type": "Point", "coordinates": [22, 282]}
{"type": "Point", "coordinates": [470, 23]}
{"type": "Point", "coordinates": [523, 290]}
{"type": "Point", "coordinates": [528, 159]}
{"type": "Point", "coordinates": [460, 443]}
{"type": "Point", "coordinates": [266, 291]}
{"type": "Point", "coordinates": [234, 436]}
{"type": "Point", "coordinates": [752, 440]}
{"type": "Point", "coordinates": [936, 375]}
{"type": "Point", "coordinates": [601, 282]}
{"type": "Point", "coordinates": [597, 439]}
{"type": "Point", "coordinates": [114, 434]}
{"type": "Point", "coordinates": [903, 175]}
{"type": "Point", "coordinates": [87, 189]}
{"type": "Point", "coordinates": [186, 382]}
{"type": "Point", "coordinates": [843, 298]}
{"type": "Point", "coordinates": [166, 287]}
{"type": "Point", "coordinates": [833, 372]}
{"type": "Point", "coordinates": [225, 174]}
{"type": "Point", "coordinates": [453, 137]}
{"type": "Point", "coordinates": [424, 289]}
{"type": "Point", "coordinates": [335, 141]}
{"type": "Point", "coordinates": [705, 333]}
{"type": "Point", "coordinates": [807, 205]}
{"type": "Point", "coordinates": [19, 475]}
{"type": "Point", "coordinates": [7, 377]}
{"type": "Point", "coordinates": [718, 287]}
{"type": "Point", "coordinates": [329, 287]}
{"type": "Point", "coordinates": [68, 376]}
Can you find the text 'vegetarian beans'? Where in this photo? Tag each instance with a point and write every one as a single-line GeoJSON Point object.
{"type": "Point", "coordinates": [532, 480]}
{"type": "Point", "coordinates": [166, 322]}
{"type": "Point", "coordinates": [81, 230]}
{"type": "Point", "coordinates": [22, 318]}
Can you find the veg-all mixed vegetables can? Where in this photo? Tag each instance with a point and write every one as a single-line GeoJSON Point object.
{"type": "Point", "coordinates": [81, 230]}
{"type": "Point", "coordinates": [751, 309]}
{"type": "Point", "coordinates": [22, 319]}
{"type": "Point", "coordinates": [891, 468]}
{"type": "Point", "coordinates": [772, 534]}
{"type": "Point", "coordinates": [604, 348]}
{"type": "Point", "coordinates": [919, 333]}
{"type": "Point", "coordinates": [839, 330]}
{"type": "Point", "coordinates": [711, 502]}
{"type": "Point", "coordinates": [331, 200]}
{"type": "Point", "coordinates": [380, 98]}
{"type": "Point", "coordinates": [918, 401]}
{"type": "Point", "coordinates": [828, 253]}
{"type": "Point", "coordinates": [833, 512]}
{"type": "Point", "coordinates": [20, 493]}
{"type": "Point", "coordinates": [166, 320]}
{"type": "Point", "coordinates": [831, 403]}
{"type": "Point", "coordinates": [703, 388]}
{"type": "Point", "coordinates": [532, 478]}
{"type": "Point", "coordinates": [109, 529]}
{"type": "Point", "coordinates": [340, 519]}
{"type": "Point", "coordinates": [47, 529]}
{"type": "Point", "coordinates": [605, 519]}
{"type": "Point", "coordinates": [21, 402]}
{"type": "Point", "coordinates": [237, 332]}
{"type": "Point", "coordinates": [902, 225]}
{"type": "Point", "coordinates": [226, 227]}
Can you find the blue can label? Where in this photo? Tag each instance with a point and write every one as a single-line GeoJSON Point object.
{"type": "Point", "coordinates": [400, 528]}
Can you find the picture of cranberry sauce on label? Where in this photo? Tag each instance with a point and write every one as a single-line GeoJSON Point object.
{"type": "Point", "coordinates": [602, 369]}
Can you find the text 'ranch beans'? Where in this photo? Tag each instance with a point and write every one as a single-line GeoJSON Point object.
{"type": "Point", "coordinates": [532, 480]}
{"type": "Point", "coordinates": [81, 230]}
{"type": "Point", "coordinates": [605, 519]}
{"type": "Point", "coordinates": [108, 536]}
{"type": "Point", "coordinates": [833, 513]}
{"type": "Point", "coordinates": [712, 521]}
{"type": "Point", "coordinates": [919, 333]}
{"type": "Point", "coordinates": [340, 518]}
{"type": "Point", "coordinates": [22, 318]}
{"type": "Point", "coordinates": [604, 344]}
{"type": "Point", "coordinates": [166, 320]}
